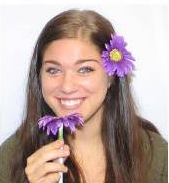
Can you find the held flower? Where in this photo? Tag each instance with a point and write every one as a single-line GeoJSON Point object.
{"type": "Point", "coordinates": [116, 59]}
{"type": "Point", "coordinates": [53, 123]}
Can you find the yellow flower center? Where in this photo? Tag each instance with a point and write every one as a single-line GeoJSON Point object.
{"type": "Point", "coordinates": [115, 55]}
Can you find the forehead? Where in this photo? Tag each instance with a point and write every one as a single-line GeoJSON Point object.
{"type": "Point", "coordinates": [71, 50]}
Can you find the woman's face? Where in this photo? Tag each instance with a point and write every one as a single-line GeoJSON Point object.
{"type": "Point", "coordinates": [73, 79]}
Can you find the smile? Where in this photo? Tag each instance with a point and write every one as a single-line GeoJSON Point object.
{"type": "Point", "coordinates": [71, 103]}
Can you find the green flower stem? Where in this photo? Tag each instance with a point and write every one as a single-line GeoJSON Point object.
{"type": "Point", "coordinates": [60, 160]}
{"type": "Point", "coordinates": [60, 133]}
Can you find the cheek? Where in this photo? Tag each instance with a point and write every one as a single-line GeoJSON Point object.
{"type": "Point", "coordinates": [97, 84]}
{"type": "Point", "coordinates": [48, 85]}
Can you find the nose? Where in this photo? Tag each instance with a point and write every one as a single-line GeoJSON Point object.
{"type": "Point", "coordinates": [68, 84]}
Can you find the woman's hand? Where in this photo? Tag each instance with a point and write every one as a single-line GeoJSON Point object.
{"type": "Point", "coordinates": [41, 169]}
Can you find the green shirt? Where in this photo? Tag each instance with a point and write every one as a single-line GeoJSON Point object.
{"type": "Point", "coordinates": [157, 173]}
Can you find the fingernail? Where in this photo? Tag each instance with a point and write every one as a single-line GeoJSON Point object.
{"type": "Point", "coordinates": [66, 170]}
{"type": "Point", "coordinates": [60, 141]}
{"type": "Point", "coordinates": [67, 151]}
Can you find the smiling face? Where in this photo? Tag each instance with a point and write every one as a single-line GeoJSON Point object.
{"type": "Point", "coordinates": [73, 79]}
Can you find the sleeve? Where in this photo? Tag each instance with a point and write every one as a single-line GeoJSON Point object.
{"type": "Point", "coordinates": [6, 150]}
{"type": "Point", "coordinates": [158, 169]}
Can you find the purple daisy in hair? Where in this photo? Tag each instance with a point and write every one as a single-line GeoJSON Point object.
{"type": "Point", "coordinates": [116, 59]}
{"type": "Point", "coordinates": [52, 123]}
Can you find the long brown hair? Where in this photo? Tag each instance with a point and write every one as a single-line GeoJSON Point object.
{"type": "Point", "coordinates": [121, 126]}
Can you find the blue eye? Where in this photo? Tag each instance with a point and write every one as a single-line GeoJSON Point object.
{"type": "Point", "coordinates": [53, 71]}
{"type": "Point", "coordinates": [86, 69]}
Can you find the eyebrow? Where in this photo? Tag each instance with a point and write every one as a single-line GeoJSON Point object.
{"type": "Point", "coordinates": [77, 63]}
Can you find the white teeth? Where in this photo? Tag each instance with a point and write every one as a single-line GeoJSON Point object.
{"type": "Point", "coordinates": [71, 102]}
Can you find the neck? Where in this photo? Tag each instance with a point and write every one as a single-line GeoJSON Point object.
{"type": "Point", "coordinates": [88, 149]}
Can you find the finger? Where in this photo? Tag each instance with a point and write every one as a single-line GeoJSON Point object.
{"type": "Point", "coordinates": [49, 156]}
{"type": "Point", "coordinates": [66, 147]}
{"type": "Point", "coordinates": [49, 168]}
{"type": "Point", "coordinates": [62, 160]}
{"type": "Point", "coordinates": [52, 146]}
{"type": "Point", "coordinates": [52, 178]}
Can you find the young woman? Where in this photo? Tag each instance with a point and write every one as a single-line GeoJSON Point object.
{"type": "Point", "coordinates": [72, 71]}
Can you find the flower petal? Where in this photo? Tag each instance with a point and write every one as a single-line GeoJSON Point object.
{"type": "Point", "coordinates": [120, 67]}
{"type": "Point", "coordinates": [52, 124]}
{"type": "Point", "coordinates": [108, 47]}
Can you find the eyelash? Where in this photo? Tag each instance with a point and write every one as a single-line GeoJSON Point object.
{"type": "Point", "coordinates": [54, 71]}
{"type": "Point", "coordinates": [87, 69]}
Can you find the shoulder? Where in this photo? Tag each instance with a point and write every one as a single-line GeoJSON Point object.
{"type": "Point", "coordinates": [156, 149]}
{"type": "Point", "coordinates": [6, 151]}
{"type": "Point", "coordinates": [155, 141]}
{"type": "Point", "coordinates": [8, 145]}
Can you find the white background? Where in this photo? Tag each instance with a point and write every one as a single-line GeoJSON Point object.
{"type": "Point", "coordinates": [144, 27]}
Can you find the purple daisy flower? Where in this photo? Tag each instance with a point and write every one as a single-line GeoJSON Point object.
{"type": "Point", "coordinates": [116, 59]}
{"type": "Point", "coordinates": [53, 123]}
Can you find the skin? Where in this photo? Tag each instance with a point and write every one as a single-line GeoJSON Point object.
{"type": "Point", "coordinates": [71, 69]}
{"type": "Point", "coordinates": [72, 79]}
